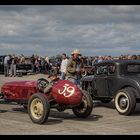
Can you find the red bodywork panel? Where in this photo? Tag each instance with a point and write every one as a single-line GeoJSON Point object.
{"type": "Point", "coordinates": [19, 90]}
{"type": "Point", "coordinates": [64, 92]}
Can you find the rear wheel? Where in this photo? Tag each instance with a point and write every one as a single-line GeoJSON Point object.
{"type": "Point", "coordinates": [38, 108]}
{"type": "Point", "coordinates": [125, 101]}
{"type": "Point", "coordinates": [86, 106]}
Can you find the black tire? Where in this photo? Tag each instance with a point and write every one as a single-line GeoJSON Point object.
{"type": "Point", "coordinates": [125, 101]}
{"type": "Point", "coordinates": [85, 108]}
{"type": "Point", "coordinates": [38, 108]}
{"type": "Point", "coordinates": [90, 91]}
{"type": "Point", "coordinates": [106, 100]}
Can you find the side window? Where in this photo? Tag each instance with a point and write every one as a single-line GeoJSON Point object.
{"type": "Point", "coordinates": [111, 69]}
{"type": "Point", "coordinates": [104, 70]}
{"type": "Point", "coordinates": [101, 70]}
{"type": "Point", "coordinates": [133, 68]}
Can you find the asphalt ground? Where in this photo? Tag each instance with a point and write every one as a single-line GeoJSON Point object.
{"type": "Point", "coordinates": [104, 119]}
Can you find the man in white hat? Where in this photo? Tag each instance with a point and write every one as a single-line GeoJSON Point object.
{"type": "Point", "coordinates": [74, 66]}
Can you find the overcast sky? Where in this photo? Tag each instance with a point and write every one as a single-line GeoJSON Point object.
{"type": "Point", "coordinates": [54, 29]}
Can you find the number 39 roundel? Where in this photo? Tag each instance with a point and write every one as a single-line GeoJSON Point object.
{"type": "Point", "coordinates": [67, 91]}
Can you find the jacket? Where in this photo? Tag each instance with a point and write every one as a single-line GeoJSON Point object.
{"type": "Point", "coordinates": [72, 67]}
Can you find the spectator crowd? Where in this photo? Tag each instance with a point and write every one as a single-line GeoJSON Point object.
{"type": "Point", "coordinates": [41, 64]}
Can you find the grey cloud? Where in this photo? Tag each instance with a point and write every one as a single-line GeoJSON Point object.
{"type": "Point", "coordinates": [55, 29]}
{"type": "Point", "coordinates": [9, 8]}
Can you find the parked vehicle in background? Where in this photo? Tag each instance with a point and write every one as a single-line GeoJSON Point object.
{"type": "Point", "coordinates": [20, 68]}
{"type": "Point", "coordinates": [23, 69]}
{"type": "Point", "coordinates": [118, 80]}
{"type": "Point", "coordinates": [2, 64]}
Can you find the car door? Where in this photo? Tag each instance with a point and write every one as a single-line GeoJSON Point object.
{"type": "Point", "coordinates": [101, 84]}
{"type": "Point", "coordinates": [112, 79]}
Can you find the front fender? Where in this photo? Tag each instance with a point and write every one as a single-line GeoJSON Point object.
{"type": "Point", "coordinates": [86, 81]}
{"type": "Point", "coordinates": [134, 84]}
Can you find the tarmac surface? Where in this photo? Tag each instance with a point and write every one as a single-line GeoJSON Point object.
{"type": "Point", "coordinates": [104, 119]}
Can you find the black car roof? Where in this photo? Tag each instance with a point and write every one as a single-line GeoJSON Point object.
{"type": "Point", "coordinates": [118, 62]}
{"type": "Point", "coordinates": [2, 55]}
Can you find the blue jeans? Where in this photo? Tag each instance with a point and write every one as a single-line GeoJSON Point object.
{"type": "Point", "coordinates": [62, 76]}
{"type": "Point", "coordinates": [78, 79]}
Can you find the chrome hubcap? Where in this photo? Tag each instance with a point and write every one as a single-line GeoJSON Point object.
{"type": "Point", "coordinates": [123, 102]}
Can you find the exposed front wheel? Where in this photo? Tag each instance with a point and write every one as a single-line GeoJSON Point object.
{"type": "Point", "coordinates": [38, 108]}
{"type": "Point", "coordinates": [125, 101]}
{"type": "Point", "coordinates": [86, 106]}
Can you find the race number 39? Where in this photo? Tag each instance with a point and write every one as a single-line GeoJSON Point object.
{"type": "Point", "coordinates": [67, 91]}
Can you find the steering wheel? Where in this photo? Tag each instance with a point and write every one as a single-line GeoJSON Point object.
{"type": "Point", "coordinates": [42, 84]}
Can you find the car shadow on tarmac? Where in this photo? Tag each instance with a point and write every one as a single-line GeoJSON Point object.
{"type": "Point", "coordinates": [61, 115]}
{"type": "Point", "coordinates": [53, 121]}
{"type": "Point", "coordinates": [50, 121]}
{"type": "Point", "coordinates": [56, 117]}
{"type": "Point", "coordinates": [65, 115]}
{"type": "Point", "coordinates": [20, 109]}
{"type": "Point", "coordinates": [3, 111]}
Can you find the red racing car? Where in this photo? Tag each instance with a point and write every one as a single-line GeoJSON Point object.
{"type": "Point", "coordinates": [63, 95]}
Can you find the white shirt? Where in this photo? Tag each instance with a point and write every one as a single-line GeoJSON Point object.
{"type": "Point", "coordinates": [6, 59]}
{"type": "Point", "coordinates": [64, 65]}
{"type": "Point", "coordinates": [47, 59]}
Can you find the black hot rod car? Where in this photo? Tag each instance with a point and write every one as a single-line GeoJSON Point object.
{"type": "Point", "coordinates": [118, 80]}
